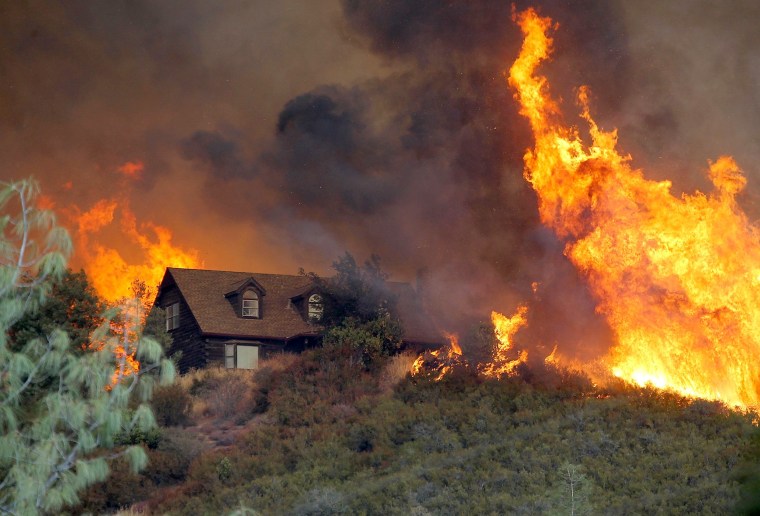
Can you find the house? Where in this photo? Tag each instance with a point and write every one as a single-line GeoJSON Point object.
{"type": "Point", "coordinates": [233, 319]}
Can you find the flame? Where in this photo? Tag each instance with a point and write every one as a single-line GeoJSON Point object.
{"type": "Point", "coordinates": [150, 248]}
{"type": "Point", "coordinates": [676, 278]}
{"type": "Point", "coordinates": [439, 362]}
{"type": "Point", "coordinates": [110, 273]}
{"type": "Point", "coordinates": [112, 276]}
{"type": "Point", "coordinates": [505, 358]}
{"type": "Point", "coordinates": [97, 217]}
{"type": "Point", "coordinates": [122, 343]}
{"type": "Point", "coordinates": [453, 343]}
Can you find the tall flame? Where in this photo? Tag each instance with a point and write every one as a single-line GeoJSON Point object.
{"type": "Point", "coordinates": [676, 278]}
{"type": "Point", "coordinates": [111, 274]}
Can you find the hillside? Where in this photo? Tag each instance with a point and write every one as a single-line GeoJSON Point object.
{"type": "Point", "coordinates": [316, 434]}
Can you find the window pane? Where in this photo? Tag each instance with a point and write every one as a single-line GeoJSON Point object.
{"type": "Point", "coordinates": [172, 316]}
{"type": "Point", "coordinates": [250, 307]}
{"type": "Point", "coordinates": [315, 307]}
{"type": "Point", "coordinates": [229, 356]}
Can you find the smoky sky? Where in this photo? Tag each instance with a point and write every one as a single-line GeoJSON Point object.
{"type": "Point", "coordinates": [277, 135]}
{"type": "Point", "coordinates": [424, 167]}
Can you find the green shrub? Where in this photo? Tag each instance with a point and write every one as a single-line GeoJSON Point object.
{"type": "Point", "coordinates": [149, 437]}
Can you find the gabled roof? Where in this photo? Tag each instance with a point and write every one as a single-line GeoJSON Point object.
{"type": "Point", "coordinates": [204, 292]}
{"type": "Point", "coordinates": [239, 286]}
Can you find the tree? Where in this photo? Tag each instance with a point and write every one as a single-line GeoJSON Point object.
{"type": "Point", "coordinates": [155, 320]}
{"type": "Point", "coordinates": [359, 309]}
{"type": "Point", "coordinates": [72, 306]}
{"type": "Point", "coordinates": [361, 293]}
{"type": "Point", "coordinates": [60, 409]}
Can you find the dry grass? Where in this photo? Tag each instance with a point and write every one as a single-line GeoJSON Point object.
{"type": "Point", "coordinates": [220, 392]}
{"type": "Point", "coordinates": [396, 370]}
{"type": "Point", "coordinates": [278, 362]}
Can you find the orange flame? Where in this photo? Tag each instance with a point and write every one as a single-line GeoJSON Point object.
{"type": "Point", "coordinates": [676, 278]}
{"type": "Point", "coordinates": [505, 358]}
{"type": "Point", "coordinates": [122, 343]}
{"type": "Point", "coordinates": [110, 273]}
{"type": "Point", "coordinates": [112, 276]}
{"type": "Point", "coordinates": [439, 362]}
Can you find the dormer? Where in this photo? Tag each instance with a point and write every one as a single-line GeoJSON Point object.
{"type": "Point", "coordinates": [247, 299]}
{"type": "Point", "coordinates": [308, 302]}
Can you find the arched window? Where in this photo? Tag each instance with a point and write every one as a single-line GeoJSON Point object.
{"type": "Point", "coordinates": [250, 304]}
{"type": "Point", "coordinates": [315, 307]}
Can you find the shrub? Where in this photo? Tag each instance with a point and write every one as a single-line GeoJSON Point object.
{"type": "Point", "coordinates": [395, 370]}
{"type": "Point", "coordinates": [172, 405]}
{"type": "Point", "coordinates": [229, 397]}
{"type": "Point", "coordinates": [171, 461]}
{"type": "Point", "coordinates": [369, 341]}
{"type": "Point", "coordinates": [150, 437]}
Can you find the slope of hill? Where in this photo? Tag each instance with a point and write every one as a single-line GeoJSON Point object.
{"type": "Point", "coordinates": [320, 435]}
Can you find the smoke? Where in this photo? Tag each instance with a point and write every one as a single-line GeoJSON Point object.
{"type": "Point", "coordinates": [424, 166]}
{"type": "Point", "coordinates": [276, 136]}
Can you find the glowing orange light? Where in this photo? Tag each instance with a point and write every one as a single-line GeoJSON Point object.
{"type": "Point", "coordinates": [677, 278]}
{"type": "Point", "coordinates": [132, 169]}
{"type": "Point", "coordinates": [505, 358]}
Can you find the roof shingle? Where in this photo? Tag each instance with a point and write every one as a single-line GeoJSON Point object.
{"type": "Point", "coordinates": [204, 291]}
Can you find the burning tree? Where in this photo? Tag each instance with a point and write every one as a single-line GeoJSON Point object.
{"type": "Point", "coordinates": [60, 409]}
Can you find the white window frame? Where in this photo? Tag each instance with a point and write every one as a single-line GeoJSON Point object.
{"type": "Point", "coordinates": [315, 308]}
{"type": "Point", "coordinates": [172, 317]}
{"type": "Point", "coordinates": [251, 307]}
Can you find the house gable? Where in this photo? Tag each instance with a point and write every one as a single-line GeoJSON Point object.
{"type": "Point", "coordinates": [186, 335]}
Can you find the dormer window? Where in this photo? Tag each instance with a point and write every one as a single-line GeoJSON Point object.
{"type": "Point", "coordinates": [250, 304]}
{"type": "Point", "coordinates": [316, 308]}
{"type": "Point", "coordinates": [246, 298]}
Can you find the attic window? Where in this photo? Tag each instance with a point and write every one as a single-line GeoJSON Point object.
{"type": "Point", "coordinates": [250, 304]}
{"type": "Point", "coordinates": [316, 308]}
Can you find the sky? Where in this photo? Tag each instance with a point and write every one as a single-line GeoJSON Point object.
{"type": "Point", "coordinates": [270, 136]}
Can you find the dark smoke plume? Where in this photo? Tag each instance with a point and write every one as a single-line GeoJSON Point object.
{"type": "Point", "coordinates": [424, 167]}
{"type": "Point", "coordinates": [275, 137]}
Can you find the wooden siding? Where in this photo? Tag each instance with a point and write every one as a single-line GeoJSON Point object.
{"type": "Point", "coordinates": [186, 338]}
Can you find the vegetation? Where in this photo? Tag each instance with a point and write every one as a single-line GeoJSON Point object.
{"type": "Point", "coordinates": [359, 311]}
{"type": "Point", "coordinates": [336, 438]}
{"type": "Point", "coordinates": [65, 393]}
{"type": "Point", "coordinates": [342, 429]}
{"type": "Point", "coordinates": [72, 306]}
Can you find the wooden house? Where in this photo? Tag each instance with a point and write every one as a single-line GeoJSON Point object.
{"type": "Point", "coordinates": [234, 319]}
